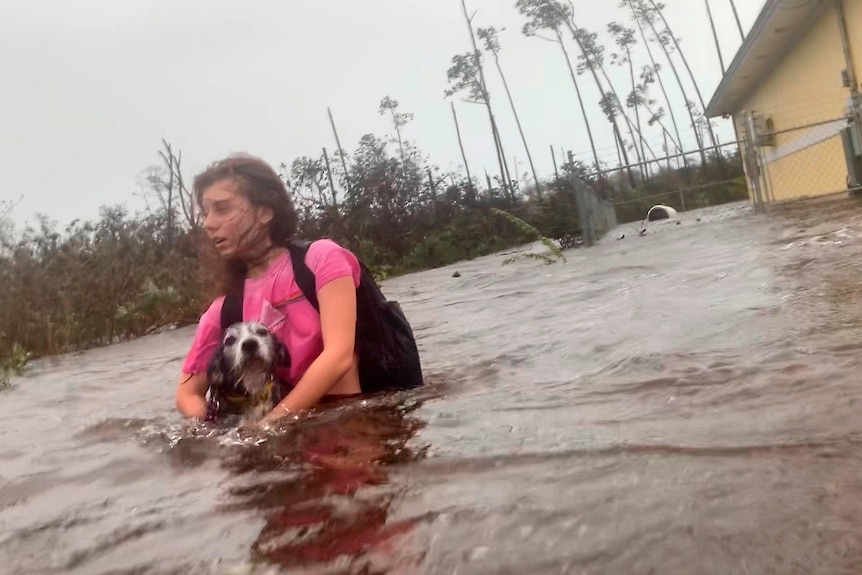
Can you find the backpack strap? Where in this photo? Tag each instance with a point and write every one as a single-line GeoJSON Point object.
{"type": "Point", "coordinates": [388, 355]}
{"type": "Point", "coordinates": [302, 273]}
{"type": "Point", "coordinates": [231, 308]}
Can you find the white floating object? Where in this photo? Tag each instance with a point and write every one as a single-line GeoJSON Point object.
{"type": "Point", "coordinates": [660, 212]}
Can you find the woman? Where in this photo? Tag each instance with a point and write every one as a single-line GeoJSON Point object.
{"type": "Point", "coordinates": [249, 217]}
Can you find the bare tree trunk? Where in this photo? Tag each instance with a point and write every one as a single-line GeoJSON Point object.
{"type": "Point", "coordinates": [580, 102]}
{"type": "Point", "coordinates": [687, 67]}
{"type": "Point", "coordinates": [667, 153]}
{"type": "Point", "coordinates": [507, 184]}
{"type": "Point", "coordinates": [169, 188]}
{"type": "Point", "coordinates": [612, 117]}
{"type": "Point", "coordinates": [351, 239]}
{"type": "Point", "coordinates": [432, 186]}
{"type": "Point", "coordinates": [497, 142]}
{"type": "Point", "coordinates": [591, 65]}
{"type": "Point", "coordinates": [554, 159]}
{"type": "Point", "coordinates": [518, 122]}
{"type": "Point", "coordinates": [398, 133]}
{"type": "Point", "coordinates": [340, 149]}
{"type": "Point", "coordinates": [331, 179]}
{"type": "Point", "coordinates": [660, 83]}
{"type": "Point", "coordinates": [634, 131]}
{"type": "Point", "coordinates": [622, 150]}
{"type": "Point", "coordinates": [187, 203]}
{"type": "Point", "coordinates": [592, 68]}
{"type": "Point", "coordinates": [461, 145]}
{"type": "Point", "coordinates": [661, 125]}
{"type": "Point", "coordinates": [715, 37]}
{"type": "Point", "coordinates": [636, 108]}
{"type": "Point", "coordinates": [632, 128]}
{"type": "Point", "coordinates": [694, 127]}
{"type": "Point", "coordinates": [738, 23]}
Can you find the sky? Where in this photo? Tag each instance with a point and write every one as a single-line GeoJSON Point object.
{"type": "Point", "coordinates": [90, 87]}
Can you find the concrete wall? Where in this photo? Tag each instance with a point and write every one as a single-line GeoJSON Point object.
{"type": "Point", "coordinates": [806, 88]}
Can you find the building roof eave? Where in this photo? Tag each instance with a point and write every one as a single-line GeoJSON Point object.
{"type": "Point", "coordinates": [778, 27]}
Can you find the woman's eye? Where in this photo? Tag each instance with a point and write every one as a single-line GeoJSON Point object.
{"type": "Point", "coordinates": [230, 340]}
{"type": "Point", "coordinates": [221, 208]}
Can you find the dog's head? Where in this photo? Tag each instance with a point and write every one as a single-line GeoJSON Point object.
{"type": "Point", "coordinates": [248, 357]}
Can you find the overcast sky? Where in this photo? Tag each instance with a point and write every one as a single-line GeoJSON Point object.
{"type": "Point", "coordinates": [91, 86]}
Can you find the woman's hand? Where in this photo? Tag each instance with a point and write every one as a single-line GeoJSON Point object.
{"type": "Point", "coordinates": [337, 300]}
{"type": "Point", "coordinates": [191, 395]}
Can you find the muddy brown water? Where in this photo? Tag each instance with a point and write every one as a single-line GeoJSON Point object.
{"type": "Point", "coordinates": [687, 401]}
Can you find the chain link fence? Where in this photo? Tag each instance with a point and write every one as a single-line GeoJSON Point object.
{"type": "Point", "coordinates": [765, 166]}
{"type": "Point", "coordinates": [798, 162]}
{"type": "Point", "coordinates": [685, 181]}
{"type": "Point", "coordinates": [689, 181]}
{"type": "Point", "coordinates": [810, 159]}
{"type": "Point", "coordinates": [597, 215]}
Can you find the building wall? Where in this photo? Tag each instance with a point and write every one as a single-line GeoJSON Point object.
{"type": "Point", "coordinates": [853, 11]}
{"type": "Point", "coordinates": [806, 88]}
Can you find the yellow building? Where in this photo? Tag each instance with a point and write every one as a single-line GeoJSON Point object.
{"type": "Point", "coordinates": [790, 93]}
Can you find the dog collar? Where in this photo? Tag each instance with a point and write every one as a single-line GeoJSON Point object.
{"type": "Point", "coordinates": [264, 396]}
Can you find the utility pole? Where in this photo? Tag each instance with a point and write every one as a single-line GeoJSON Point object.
{"type": "Point", "coordinates": [715, 37]}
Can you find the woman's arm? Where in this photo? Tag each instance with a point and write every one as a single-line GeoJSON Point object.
{"type": "Point", "coordinates": [190, 396]}
{"type": "Point", "coordinates": [337, 301]}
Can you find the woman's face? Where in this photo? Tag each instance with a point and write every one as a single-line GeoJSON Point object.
{"type": "Point", "coordinates": [235, 226]}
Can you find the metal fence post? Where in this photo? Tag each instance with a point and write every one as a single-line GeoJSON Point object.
{"type": "Point", "coordinates": [580, 202]}
{"type": "Point", "coordinates": [752, 163]}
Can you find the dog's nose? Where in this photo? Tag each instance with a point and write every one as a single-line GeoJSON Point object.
{"type": "Point", "coordinates": [249, 346]}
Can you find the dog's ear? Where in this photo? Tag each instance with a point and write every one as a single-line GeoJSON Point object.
{"type": "Point", "coordinates": [282, 356]}
{"type": "Point", "coordinates": [217, 369]}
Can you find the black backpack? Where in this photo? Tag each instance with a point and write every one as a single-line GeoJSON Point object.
{"type": "Point", "coordinates": [388, 356]}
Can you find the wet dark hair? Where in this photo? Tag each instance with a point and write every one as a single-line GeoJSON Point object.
{"type": "Point", "coordinates": [261, 186]}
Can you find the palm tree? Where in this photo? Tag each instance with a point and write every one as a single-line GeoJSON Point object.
{"type": "Point", "coordinates": [492, 44]}
{"type": "Point", "coordinates": [468, 72]}
{"type": "Point", "coordinates": [656, 71]}
{"type": "Point", "coordinates": [644, 16]}
{"type": "Point", "coordinates": [592, 59]}
{"type": "Point", "coordinates": [625, 39]}
{"type": "Point", "coordinates": [658, 9]}
{"type": "Point", "coordinates": [542, 16]}
{"type": "Point", "coordinates": [641, 98]}
{"type": "Point", "coordinates": [399, 119]}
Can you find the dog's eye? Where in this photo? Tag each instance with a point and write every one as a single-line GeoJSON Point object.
{"type": "Point", "coordinates": [230, 340]}
{"type": "Point", "coordinates": [262, 332]}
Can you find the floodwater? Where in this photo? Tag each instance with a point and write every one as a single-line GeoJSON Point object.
{"type": "Point", "coordinates": [687, 401]}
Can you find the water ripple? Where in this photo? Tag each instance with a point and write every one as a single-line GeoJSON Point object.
{"type": "Point", "coordinates": [683, 401]}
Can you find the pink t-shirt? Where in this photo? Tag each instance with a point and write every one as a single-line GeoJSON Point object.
{"type": "Point", "coordinates": [275, 300]}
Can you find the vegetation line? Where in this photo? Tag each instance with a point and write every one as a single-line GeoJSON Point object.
{"type": "Point", "coordinates": [125, 274]}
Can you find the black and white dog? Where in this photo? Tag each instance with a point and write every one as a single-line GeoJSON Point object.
{"type": "Point", "coordinates": [241, 375]}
